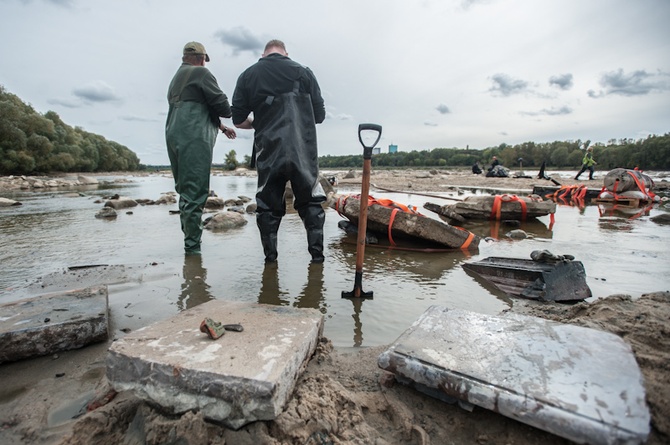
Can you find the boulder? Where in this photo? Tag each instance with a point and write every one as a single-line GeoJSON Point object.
{"type": "Point", "coordinates": [6, 202]}
{"type": "Point", "coordinates": [87, 180]}
{"type": "Point", "coordinates": [214, 202]}
{"type": "Point", "coordinates": [106, 212]}
{"type": "Point", "coordinates": [166, 199]}
{"type": "Point", "coordinates": [225, 221]}
{"type": "Point", "coordinates": [662, 219]}
{"type": "Point", "coordinates": [121, 202]}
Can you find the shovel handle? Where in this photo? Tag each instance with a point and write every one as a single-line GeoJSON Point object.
{"type": "Point", "coordinates": [367, 150]}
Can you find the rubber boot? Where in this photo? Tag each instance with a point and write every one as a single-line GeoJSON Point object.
{"type": "Point", "coordinates": [313, 217]}
{"type": "Point", "coordinates": [191, 225]}
{"type": "Point", "coordinates": [268, 225]}
{"type": "Point", "coordinates": [315, 245]}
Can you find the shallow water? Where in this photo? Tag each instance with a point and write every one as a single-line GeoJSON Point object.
{"type": "Point", "coordinates": [56, 229]}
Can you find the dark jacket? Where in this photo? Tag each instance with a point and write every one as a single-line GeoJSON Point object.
{"type": "Point", "coordinates": [272, 76]}
{"type": "Point", "coordinates": [194, 83]}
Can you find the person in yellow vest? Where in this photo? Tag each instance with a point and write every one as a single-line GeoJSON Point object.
{"type": "Point", "coordinates": [587, 163]}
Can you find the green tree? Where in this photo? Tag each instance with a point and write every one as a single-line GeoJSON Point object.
{"type": "Point", "coordinates": [230, 161]}
{"type": "Point", "coordinates": [31, 142]}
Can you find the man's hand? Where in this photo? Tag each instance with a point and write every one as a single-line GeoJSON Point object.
{"type": "Point", "coordinates": [228, 131]}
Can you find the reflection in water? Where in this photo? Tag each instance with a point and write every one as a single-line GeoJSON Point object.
{"type": "Point", "coordinates": [499, 229]}
{"type": "Point", "coordinates": [623, 211]}
{"type": "Point", "coordinates": [194, 290]}
{"type": "Point", "coordinates": [358, 325]}
{"type": "Point", "coordinates": [311, 295]}
{"type": "Point", "coordinates": [270, 293]}
{"type": "Point", "coordinates": [415, 265]}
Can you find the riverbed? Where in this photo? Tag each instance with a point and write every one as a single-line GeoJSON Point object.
{"type": "Point", "coordinates": [623, 252]}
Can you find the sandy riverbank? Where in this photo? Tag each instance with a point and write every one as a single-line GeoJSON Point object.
{"type": "Point", "coordinates": [339, 399]}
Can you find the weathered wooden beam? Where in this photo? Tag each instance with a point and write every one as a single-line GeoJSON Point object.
{"type": "Point", "coordinates": [405, 225]}
{"type": "Point", "coordinates": [481, 208]}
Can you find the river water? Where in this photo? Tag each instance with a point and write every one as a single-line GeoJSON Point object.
{"type": "Point", "coordinates": [622, 252]}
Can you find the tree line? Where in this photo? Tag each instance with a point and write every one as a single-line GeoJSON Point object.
{"type": "Point", "coordinates": [32, 143]}
{"type": "Point", "coordinates": [650, 153]}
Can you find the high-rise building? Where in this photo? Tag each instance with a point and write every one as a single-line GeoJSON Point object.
{"type": "Point", "coordinates": [393, 148]}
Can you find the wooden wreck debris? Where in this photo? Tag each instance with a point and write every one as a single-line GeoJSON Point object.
{"type": "Point", "coordinates": [409, 226]}
{"type": "Point", "coordinates": [566, 192]}
{"type": "Point", "coordinates": [545, 277]}
{"type": "Point", "coordinates": [497, 207]}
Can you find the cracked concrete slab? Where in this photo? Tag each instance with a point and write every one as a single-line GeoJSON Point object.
{"type": "Point", "coordinates": [52, 323]}
{"type": "Point", "coordinates": [236, 379]}
{"type": "Point", "coordinates": [578, 383]}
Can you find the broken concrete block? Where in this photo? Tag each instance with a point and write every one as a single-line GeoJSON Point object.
{"type": "Point", "coordinates": [578, 383]}
{"type": "Point", "coordinates": [238, 378]}
{"type": "Point", "coordinates": [52, 323]}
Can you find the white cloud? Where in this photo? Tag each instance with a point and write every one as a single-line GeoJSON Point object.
{"type": "Point", "coordinates": [96, 91]}
{"type": "Point", "coordinates": [636, 83]}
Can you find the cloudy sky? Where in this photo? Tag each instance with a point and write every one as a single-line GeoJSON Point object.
{"type": "Point", "coordinates": [433, 73]}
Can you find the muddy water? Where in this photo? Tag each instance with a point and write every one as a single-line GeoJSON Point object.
{"type": "Point", "coordinates": [622, 253]}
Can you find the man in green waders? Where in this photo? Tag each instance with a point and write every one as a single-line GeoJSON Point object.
{"type": "Point", "coordinates": [286, 103]}
{"type": "Point", "coordinates": [196, 106]}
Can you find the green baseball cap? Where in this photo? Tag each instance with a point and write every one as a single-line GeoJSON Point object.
{"type": "Point", "coordinates": [197, 49]}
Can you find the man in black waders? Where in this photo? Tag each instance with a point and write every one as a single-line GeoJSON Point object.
{"type": "Point", "coordinates": [196, 106]}
{"type": "Point", "coordinates": [286, 103]}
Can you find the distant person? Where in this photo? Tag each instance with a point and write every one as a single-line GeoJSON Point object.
{"type": "Point", "coordinates": [196, 104]}
{"type": "Point", "coordinates": [494, 162]}
{"type": "Point", "coordinates": [496, 169]}
{"type": "Point", "coordinates": [286, 103]}
{"type": "Point", "coordinates": [587, 164]}
{"type": "Point", "coordinates": [476, 169]}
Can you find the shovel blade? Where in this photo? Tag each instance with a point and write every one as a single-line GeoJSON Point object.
{"type": "Point", "coordinates": [358, 288]}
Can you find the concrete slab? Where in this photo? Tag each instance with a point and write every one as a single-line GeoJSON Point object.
{"type": "Point", "coordinates": [578, 383]}
{"type": "Point", "coordinates": [234, 380]}
{"type": "Point", "coordinates": [53, 322]}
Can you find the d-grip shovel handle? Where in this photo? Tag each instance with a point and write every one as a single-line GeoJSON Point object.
{"type": "Point", "coordinates": [367, 150]}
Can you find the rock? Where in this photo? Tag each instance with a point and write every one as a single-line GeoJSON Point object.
{"type": "Point", "coordinates": [87, 180]}
{"type": "Point", "coordinates": [232, 202]}
{"type": "Point", "coordinates": [251, 208]}
{"type": "Point", "coordinates": [214, 202]}
{"type": "Point", "coordinates": [6, 202]}
{"type": "Point", "coordinates": [350, 175]}
{"type": "Point", "coordinates": [662, 219]}
{"type": "Point", "coordinates": [517, 234]}
{"type": "Point", "coordinates": [121, 203]}
{"type": "Point", "coordinates": [106, 212]}
{"type": "Point", "coordinates": [225, 221]}
{"type": "Point", "coordinates": [166, 199]}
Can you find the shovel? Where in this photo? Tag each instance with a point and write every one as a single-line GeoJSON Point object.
{"type": "Point", "coordinates": [357, 292]}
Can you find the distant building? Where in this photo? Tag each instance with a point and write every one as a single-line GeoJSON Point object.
{"type": "Point", "coordinates": [376, 150]}
{"type": "Point", "coordinates": [393, 148]}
